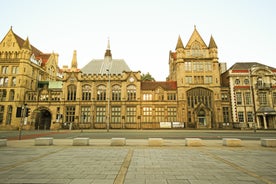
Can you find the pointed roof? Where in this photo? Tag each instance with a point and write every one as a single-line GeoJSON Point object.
{"type": "Point", "coordinates": [179, 43]}
{"type": "Point", "coordinates": [196, 37]}
{"type": "Point", "coordinates": [212, 43]}
{"type": "Point", "coordinates": [108, 51]}
{"type": "Point", "coordinates": [27, 44]}
{"type": "Point", "coordinates": [21, 43]}
{"type": "Point", "coordinates": [74, 63]}
{"type": "Point", "coordinates": [106, 65]}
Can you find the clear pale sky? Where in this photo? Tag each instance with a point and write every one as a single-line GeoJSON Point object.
{"type": "Point", "coordinates": [142, 32]}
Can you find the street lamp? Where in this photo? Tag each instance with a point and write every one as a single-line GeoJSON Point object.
{"type": "Point", "coordinates": [108, 102]}
{"type": "Point", "coordinates": [252, 96]}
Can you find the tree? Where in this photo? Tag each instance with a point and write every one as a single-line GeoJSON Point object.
{"type": "Point", "coordinates": [147, 77]}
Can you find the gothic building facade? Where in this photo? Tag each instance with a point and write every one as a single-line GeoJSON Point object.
{"type": "Point", "coordinates": [106, 93]}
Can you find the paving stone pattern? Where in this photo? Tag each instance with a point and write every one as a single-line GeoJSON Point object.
{"type": "Point", "coordinates": [145, 165]}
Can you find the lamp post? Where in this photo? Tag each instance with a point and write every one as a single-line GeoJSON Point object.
{"type": "Point", "coordinates": [253, 97]}
{"type": "Point", "coordinates": [108, 101]}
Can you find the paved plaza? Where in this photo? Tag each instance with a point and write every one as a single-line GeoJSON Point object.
{"type": "Point", "coordinates": [135, 163]}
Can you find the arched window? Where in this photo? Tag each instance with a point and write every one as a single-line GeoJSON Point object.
{"type": "Point", "coordinates": [3, 94]}
{"type": "Point", "coordinates": [86, 92]}
{"type": "Point", "coordinates": [116, 93]}
{"type": "Point", "coordinates": [9, 115]}
{"type": "Point", "coordinates": [196, 49]}
{"type": "Point", "coordinates": [199, 95]}
{"type": "Point", "coordinates": [101, 93]}
{"type": "Point", "coordinates": [131, 92]}
{"type": "Point", "coordinates": [2, 108]}
{"type": "Point", "coordinates": [71, 92]}
{"type": "Point", "coordinates": [11, 96]}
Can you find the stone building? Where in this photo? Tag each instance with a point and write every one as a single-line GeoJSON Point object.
{"type": "Point", "coordinates": [253, 94]}
{"type": "Point", "coordinates": [107, 94]}
{"type": "Point", "coordinates": [22, 68]}
{"type": "Point", "coordinates": [197, 71]}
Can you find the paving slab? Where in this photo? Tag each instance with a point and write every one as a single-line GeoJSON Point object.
{"type": "Point", "coordinates": [135, 163]}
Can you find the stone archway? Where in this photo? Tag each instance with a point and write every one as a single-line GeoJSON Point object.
{"type": "Point", "coordinates": [43, 119]}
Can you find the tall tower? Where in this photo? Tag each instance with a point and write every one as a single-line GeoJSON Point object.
{"type": "Point", "coordinates": [196, 69]}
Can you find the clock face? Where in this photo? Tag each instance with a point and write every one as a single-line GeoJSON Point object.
{"type": "Point", "coordinates": [131, 79]}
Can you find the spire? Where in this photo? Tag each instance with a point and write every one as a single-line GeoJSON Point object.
{"type": "Point", "coordinates": [179, 43]}
{"type": "Point", "coordinates": [74, 64]}
{"type": "Point", "coordinates": [212, 43]}
{"type": "Point", "coordinates": [108, 51]}
{"type": "Point", "coordinates": [26, 44]}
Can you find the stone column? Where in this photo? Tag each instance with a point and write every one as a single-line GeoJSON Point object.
{"type": "Point", "coordinates": [265, 123]}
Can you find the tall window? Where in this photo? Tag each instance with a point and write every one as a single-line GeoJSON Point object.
{"type": "Point", "coordinates": [9, 115]}
{"type": "Point", "coordinates": [85, 114]}
{"type": "Point", "coordinates": [171, 96]}
{"type": "Point", "coordinates": [116, 93]}
{"type": "Point", "coordinates": [249, 117]}
{"type": "Point", "coordinates": [13, 84]}
{"type": "Point", "coordinates": [188, 79]}
{"type": "Point", "coordinates": [100, 114]}
{"type": "Point", "coordinates": [131, 92]}
{"type": "Point", "coordinates": [199, 95]}
{"type": "Point", "coordinates": [101, 93]}
{"type": "Point", "coordinates": [160, 114]}
{"type": "Point", "coordinates": [147, 96]}
{"type": "Point", "coordinates": [71, 94]}
{"type": "Point", "coordinates": [239, 98]}
{"type": "Point", "coordinates": [263, 98]}
{"type": "Point", "coordinates": [130, 114]}
{"type": "Point", "coordinates": [14, 69]}
{"type": "Point", "coordinates": [172, 114]}
{"type": "Point", "coordinates": [11, 96]}
{"type": "Point", "coordinates": [188, 66]}
{"type": "Point", "coordinates": [1, 114]}
{"type": "Point", "coordinates": [115, 114]}
{"type": "Point", "coordinates": [3, 94]}
{"type": "Point", "coordinates": [70, 114]}
{"type": "Point", "coordinates": [224, 96]}
{"type": "Point", "coordinates": [147, 114]}
{"type": "Point", "coordinates": [86, 92]}
{"type": "Point", "coordinates": [241, 116]}
{"type": "Point", "coordinates": [5, 69]}
{"type": "Point", "coordinates": [6, 82]}
{"type": "Point", "coordinates": [225, 111]}
{"type": "Point", "coordinates": [208, 79]}
{"type": "Point", "coordinates": [248, 98]}
{"type": "Point", "coordinates": [208, 66]}
{"type": "Point", "coordinates": [274, 98]}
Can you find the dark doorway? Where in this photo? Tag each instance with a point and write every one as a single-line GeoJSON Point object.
{"type": "Point", "coordinates": [43, 120]}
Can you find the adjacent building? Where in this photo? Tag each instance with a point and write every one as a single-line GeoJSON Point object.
{"type": "Point", "coordinates": [106, 94]}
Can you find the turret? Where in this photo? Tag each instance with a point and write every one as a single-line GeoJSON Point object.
{"type": "Point", "coordinates": [74, 64]}
{"type": "Point", "coordinates": [26, 49]}
{"type": "Point", "coordinates": [213, 49]}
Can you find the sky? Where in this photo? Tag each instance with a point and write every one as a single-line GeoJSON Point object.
{"type": "Point", "coordinates": [143, 32]}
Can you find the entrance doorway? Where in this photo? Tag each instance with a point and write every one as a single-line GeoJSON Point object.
{"type": "Point", "coordinates": [201, 118]}
{"type": "Point", "coordinates": [43, 119]}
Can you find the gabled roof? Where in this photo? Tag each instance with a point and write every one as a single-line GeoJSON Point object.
{"type": "Point", "coordinates": [196, 37]}
{"type": "Point", "coordinates": [21, 42]}
{"type": "Point", "coordinates": [167, 85]}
